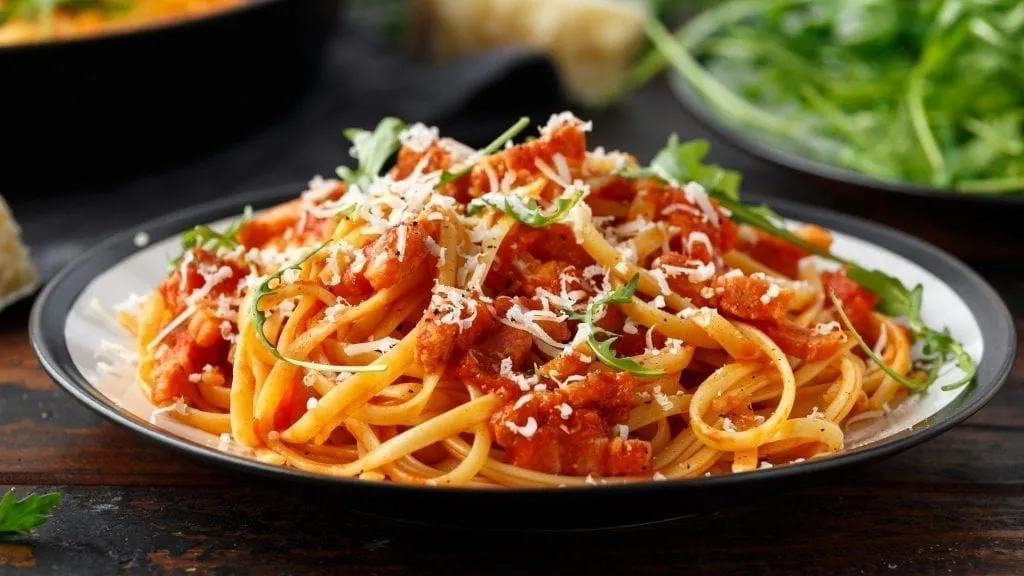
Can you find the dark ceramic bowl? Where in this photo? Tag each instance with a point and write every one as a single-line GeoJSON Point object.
{"type": "Point", "coordinates": [106, 107]}
{"type": "Point", "coordinates": [839, 180]}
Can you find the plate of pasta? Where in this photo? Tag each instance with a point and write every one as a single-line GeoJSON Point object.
{"type": "Point", "coordinates": [444, 330]}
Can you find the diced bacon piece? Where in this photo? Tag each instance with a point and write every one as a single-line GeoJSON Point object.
{"type": "Point", "coordinates": [182, 357]}
{"type": "Point", "coordinates": [804, 343]}
{"type": "Point", "coordinates": [480, 365]}
{"type": "Point", "coordinates": [751, 298]}
{"type": "Point", "coordinates": [858, 302]}
{"type": "Point", "coordinates": [779, 254]}
{"type": "Point", "coordinates": [436, 157]}
{"type": "Point", "coordinates": [521, 160]}
{"type": "Point", "coordinates": [388, 259]}
{"type": "Point", "coordinates": [574, 442]}
{"type": "Point", "coordinates": [438, 341]}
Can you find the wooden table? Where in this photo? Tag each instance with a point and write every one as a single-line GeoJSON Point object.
{"type": "Point", "coordinates": [952, 506]}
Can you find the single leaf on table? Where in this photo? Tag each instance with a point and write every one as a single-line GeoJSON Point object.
{"type": "Point", "coordinates": [27, 513]}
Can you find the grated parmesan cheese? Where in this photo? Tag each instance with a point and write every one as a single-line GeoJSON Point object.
{"type": "Point", "coordinates": [523, 401]}
{"type": "Point", "coordinates": [564, 410]}
{"type": "Point", "coordinates": [382, 345]}
{"type": "Point", "coordinates": [770, 294]}
{"type": "Point", "coordinates": [526, 431]}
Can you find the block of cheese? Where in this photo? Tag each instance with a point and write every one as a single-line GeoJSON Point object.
{"type": "Point", "coordinates": [17, 273]}
{"type": "Point", "coordinates": [592, 42]}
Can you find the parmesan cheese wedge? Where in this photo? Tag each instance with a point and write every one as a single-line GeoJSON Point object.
{"type": "Point", "coordinates": [18, 276]}
{"type": "Point", "coordinates": [592, 42]}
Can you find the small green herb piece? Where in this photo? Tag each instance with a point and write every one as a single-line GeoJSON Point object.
{"type": "Point", "coordinates": [27, 513]}
{"type": "Point", "coordinates": [603, 348]}
{"type": "Point", "coordinates": [529, 213]}
{"type": "Point", "coordinates": [491, 148]}
{"type": "Point", "coordinates": [260, 318]}
{"type": "Point", "coordinates": [685, 163]}
{"type": "Point", "coordinates": [910, 384]}
{"type": "Point", "coordinates": [206, 238]}
{"type": "Point", "coordinates": [371, 150]}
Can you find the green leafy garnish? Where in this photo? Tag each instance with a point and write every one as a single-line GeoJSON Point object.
{"type": "Point", "coordinates": [685, 163]}
{"type": "Point", "coordinates": [603, 348]}
{"type": "Point", "coordinates": [915, 385]}
{"type": "Point", "coordinates": [206, 238]}
{"type": "Point", "coordinates": [260, 319]}
{"type": "Point", "coordinates": [491, 148]}
{"type": "Point", "coordinates": [926, 92]}
{"type": "Point", "coordinates": [680, 163]}
{"type": "Point", "coordinates": [27, 513]}
{"type": "Point", "coordinates": [371, 150]}
{"type": "Point", "coordinates": [529, 213]}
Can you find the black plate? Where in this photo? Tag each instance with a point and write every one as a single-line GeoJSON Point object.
{"type": "Point", "coordinates": [848, 182]}
{"type": "Point", "coordinates": [533, 508]}
{"type": "Point", "coordinates": [89, 109]}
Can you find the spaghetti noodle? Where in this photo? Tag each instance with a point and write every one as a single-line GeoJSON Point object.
{"type": "Point", "coordinates": [525, 315]}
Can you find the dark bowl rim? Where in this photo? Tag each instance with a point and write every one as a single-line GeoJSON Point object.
{"type": "Point", "coordinates": [59, 295]}
{"type": "Point", "coordinates": [141, 30]}
{"type": "Point", "coordinates": [691, 101]}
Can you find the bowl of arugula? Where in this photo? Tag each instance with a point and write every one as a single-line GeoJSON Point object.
{"type": "Point", "coordinates": [924, 98]}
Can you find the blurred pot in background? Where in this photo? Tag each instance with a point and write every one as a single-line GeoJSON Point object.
{"type": "Point", "coordinates": [111, 104]}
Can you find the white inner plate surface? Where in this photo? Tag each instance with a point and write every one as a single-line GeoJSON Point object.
{"type": "Point", "coordinates": [91, 329]}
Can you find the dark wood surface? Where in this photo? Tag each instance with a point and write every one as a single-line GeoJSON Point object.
{"type": "Point", "coordinates": [954, 505]}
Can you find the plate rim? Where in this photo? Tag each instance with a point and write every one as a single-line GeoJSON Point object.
{"type": "Point", "coordinates": [998, 333]}
{"type": "Point", "coordinates": [687, 97]}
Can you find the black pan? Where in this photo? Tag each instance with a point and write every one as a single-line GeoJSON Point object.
{"type": "Point", "coordinates": [96, 109]}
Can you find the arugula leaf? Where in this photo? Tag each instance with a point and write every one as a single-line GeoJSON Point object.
{"type": "Point", "coordinates": [529, 213]}
{"type": "Point", "coordinates": [491, 148]}
{"type": "Point", "coordinates": [685, 162]}
{"type": "Point", "coordinates": [260, 319]}
{"type": "Point", "coordinates": [927, 92]}
{"type": "Point", "coordinates": [206, 238]}
{"type": "Point", "coordinates": [603, 348]}
{"type": "Point", "coordinates": [911, 384]}
{"type": "Point", "coordinates": [27, 513]}
{"type": "Point", "coordinates": [371, 150]}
